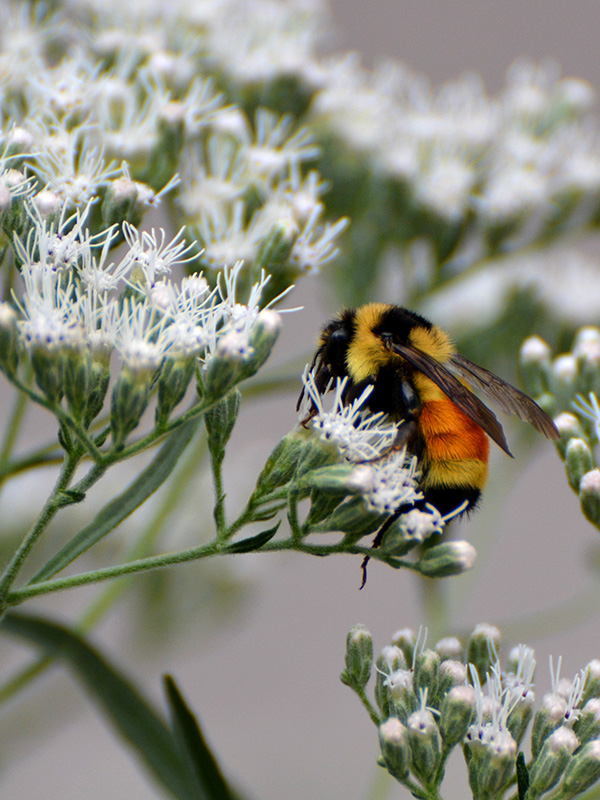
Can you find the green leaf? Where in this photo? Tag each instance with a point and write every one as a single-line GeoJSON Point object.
{"type": "Point", "coordinates": [151, 479]}
{"type": "Point", "coordinates": [187, 730]}
{"type": "Point", "coordinates": [128, 711]}
{"type": "Point", "coordinates": [253, 542]}
{"type": "Point", "coordinates": [522, 776]}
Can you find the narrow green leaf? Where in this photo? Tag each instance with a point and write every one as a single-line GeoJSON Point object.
{"type": "Point", "coordinates": [151, 479]}
{"type": "Point", "coordinates": [522, 776]}
{"type": "Point", "coordinates": [130, 714]}
{"type": "Point", "coordinates": [253, 542]}
{"type": "Point", "coordinates": [186, 728]}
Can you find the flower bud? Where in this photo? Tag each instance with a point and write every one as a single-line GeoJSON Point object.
{"type": "Point", "coordinates": [353, 518]}
{"type": "Point", "coordinates": [390, 660]}
{"type": "Point", "coordinates": [491, 763]}
{"type": "Point", "coordinates": [578, 461]}
{"type": "Point", "coordinates": [406, 640]}
{"type": "Point", "coordinates": [174, 379]}
{"type": "Point", "coordinates": [401, 700]}
{"type": "Point", "coordinates": [98, 380]}
{"type": "Point", "coordinates": [591, 686]}
{"type": "Point", "coordinates": [450, 558]}
{"type": "Point", "coordinates": [456, 714]}
{"type": "Point", "coordinates": [129, 401]}
{"type": "Point", "coordinates": [450, 647]}
{"type": "Point", "coordinates": [568, 427]}
{"type": "Point", "coordinates": [427, 665]}
{"type": "Point", "coordinates": [583, 770]}
{"type": "Point", "coordinates": [482, 648]}
{"type": "Point", "coordinates": [588, 725]}
{"type": "Point", "coordinates": [452, 673]}
{"type": "Point", "coordinates": [589, 496]}
{"type": "Point", "coordinates": [425, 745]}
{"type": "Point", "coordinates": [393, 740]}
{"type": "Point", "coordinates": [9, 352]}
{"type": "Point", "coordinates": [282, 463]}
{"type": "Point", "coordinates": [220, 420]}
{"type": "Point", "coordinates": [551, 762]}
{"type": "Point", "coordinates": [48, 369]}
{"type": "Point", "coordinates": [564, 377]}
{"type": "Point", "coordinates": [119, 202]}
{"type": "Point", "coordinates": [547, 719]}
{"type": "Point", "coordinates": [359, 658]}
{"type": "Point", "coordinates": [77, 365]}
{"type": "Point", "coordinates": [535, 365]}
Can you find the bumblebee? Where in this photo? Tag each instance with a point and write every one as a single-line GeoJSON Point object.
{"type": "Point", "coordinates": [418, 377]}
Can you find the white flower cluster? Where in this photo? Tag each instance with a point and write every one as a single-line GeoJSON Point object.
{"type": "Point", "coordinates": [514, 168]}
{"type": "Point", "coordinates": [76, 297]}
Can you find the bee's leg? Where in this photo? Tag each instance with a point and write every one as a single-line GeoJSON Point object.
{"type": "Point", "coordinates": [379, 537]}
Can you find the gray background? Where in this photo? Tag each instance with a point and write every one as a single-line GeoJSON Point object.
{"type": "Point", "coordinates": [266, 686]}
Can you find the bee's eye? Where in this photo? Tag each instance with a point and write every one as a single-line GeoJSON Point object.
{"type": "Point", "coordinates": [387, 338]}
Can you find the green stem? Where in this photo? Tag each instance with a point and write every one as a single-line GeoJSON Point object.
{"type": "Point", "coordinates": [107, 573]}
{"type": "Point", "coordinates": [216, 460]}
{"type": "Point", "coordinates": [49, 510]}
{"type": "Point", "coordinates": [179, 557]}
{"type": "Point", "coordinates": [369, 706]}
{"type": "Point", "coordinates": [12, 429]}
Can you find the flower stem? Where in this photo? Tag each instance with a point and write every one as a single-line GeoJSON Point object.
{"type": "Point", "coordinates": [49, 510]}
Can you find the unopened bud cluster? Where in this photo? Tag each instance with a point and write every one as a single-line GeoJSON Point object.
{"type": "Point", "coordinates": [568, 386]}
{"type": "Point", "coordinates": [431, 700]}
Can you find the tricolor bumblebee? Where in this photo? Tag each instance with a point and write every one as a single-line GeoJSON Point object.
{"type": "Point", "coordinates": [419, 377]}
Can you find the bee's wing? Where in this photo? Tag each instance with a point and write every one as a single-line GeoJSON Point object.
{"type": "Point", "coordinates": [510, 399]}
{"type": "Point", "coordinates": [463, 397]}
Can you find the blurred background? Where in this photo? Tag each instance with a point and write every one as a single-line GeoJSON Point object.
{"type": "Point", "coordinates": [263, 677]}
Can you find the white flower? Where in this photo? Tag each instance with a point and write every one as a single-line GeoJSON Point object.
{"type": "Point", "coordinates": [150, 252]}
{"type": "Point", "coordinates": [358, 436]}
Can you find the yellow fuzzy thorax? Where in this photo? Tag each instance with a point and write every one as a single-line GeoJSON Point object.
{"type": "Point", "coordinates": [367, 352]}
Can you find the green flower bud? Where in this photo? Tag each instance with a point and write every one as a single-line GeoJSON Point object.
{"type": "Point", "coordinates": [569, 427]}
{"type": "Point", "coordinates": [586, 349]}
{"type": "Point", "coordinates": [174, 379]}
{"type": "Point", "coordinates": [353, 518]}
{"type": "Point", "coordinates": [48, 369]}
{"type": "Point", "coordinates": [401, 699]}
{"type": "Point", "coordinates": [583, 770]}
{"type": "Point", "coordinates": [406, 640]}
{"type": "Point", "coordinates": [450, 647]}
{"type": "Point", "coordinates": [393, 740]}
{"type": "Point", "coordinates": [549, 716]}
{"type": "Point", "coordinates": [77, 364]}
{"type": "Point", "coordinates": [359, 658]}
{"type": "Point", "coordinates": [591, 687]}
{"type": "Point", "coordinates": [316, 453]}
{"type": "Point", "coordinates": [425, 745]}
{"type": "Point", "coordinates": [48, 204]}
{"type": "Point", "coordinates": [9, 343]}
{"type": "Point", "coordinates": [275, 248]}
{"type": "Point", "coordinates": [587, 727]}
{"type": "Point", "coordinates": [450, 558]}
{"type": "Point", "coordinates": [332, 479]}
{"type": "Point", "coordinates": [578, 461]}
{"type": "Point", "coordinates": [551, 762]}
{"type": "Point", "coordinates": [456, 714]}
{"type": "Point", "coordinates": [390, 660]}
{"type": "Point", "coordinates": [119, 202]}
{"type": "Point", "coordinates": [589, 496]}
{"type": "Point", "coordinates": [322, 506]}
{"type": "Point", "coordinates": [492, 764]}
{"type": "Point", "coordinates": [220, 421]}
{"type": "Point", "coordinates": [427, 665]}
{"type": "Point", "coordinates": [535, 365]}
{"type": "Point", "coordinates": [129, 401]}
{"type": "Point", "coordinates": [564, 378]}
{"type": "Point", "coordinates": [282, 463]}
{"type": "Point", "coordinates": [98, 380]}
{"type": "Point", "coordinates": [452, 673]}
{"type": "Point", "coordinates": [482, 648]}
